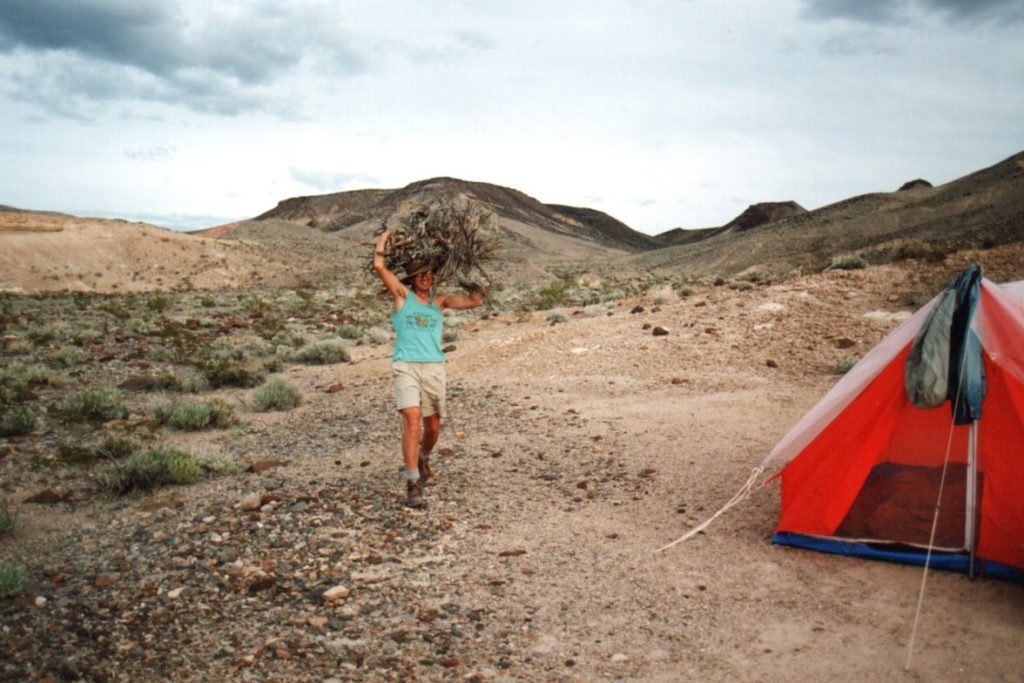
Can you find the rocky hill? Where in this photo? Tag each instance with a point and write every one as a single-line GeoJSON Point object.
{"type": "Point", "coordinates": [981, 210]}
{"type": "Point", "coordinates": [343, 211]}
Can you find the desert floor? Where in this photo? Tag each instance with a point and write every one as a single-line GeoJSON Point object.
{"type": "Point", "coordinates": [571, 453]}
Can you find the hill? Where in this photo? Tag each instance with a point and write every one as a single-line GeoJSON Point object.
{"type": "Point", "coordinates": [44, 251]}
{"type": "Point", "coordinates": [980, 210]}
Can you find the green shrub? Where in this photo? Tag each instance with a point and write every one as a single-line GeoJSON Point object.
{"type": "Point", "coordinates": [158, 302]}
{"type": "Point", "coordinates": [847, 262]}
{"type": "Point", "coordinates": [147, 470]}
{"type": "Point", "coordinates": [17, 420]}
{"type": "Point", "coordinates": [323, 352]}
{"type": "Point", "coordinates": [553, 295]}
{"type": "Point", "coordinates": [277, 394]}
{"type": "Point", "coordinates": [20, 347]}
{"type": "Point", "coordinates": [213, 414]}
{"type": "Point", "coordinates": [12, 581]}
{"type": "Point", "coordinates": [67, 357]}
{"type": "Point", "coordinates": [846, 364]}
{"type": "Point", "coordinates": [348, 332]}
{"type": "Point", "coordinates": [556, 317]}
{"type": "Point", "coordinates": [42, 334]}
{"type": "Point", "coordinates": [94, 405]}
{"type": "Point", "coordinates": [19, 377]}
{"type": "Point", "coordinates": [378, 336]}
{"type": "Point", "coordinates": [7, 520]}
{"type": "Point", "coordinates": [230, 373]}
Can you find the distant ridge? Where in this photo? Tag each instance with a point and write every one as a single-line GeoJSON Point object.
{"type": "Point", "coordinates": [340, 210]}
{"type": "Point", "coordinates": [980, 210]}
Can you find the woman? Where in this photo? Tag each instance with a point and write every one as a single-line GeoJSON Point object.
{"type": "Point", "coordinates": [417, 362]}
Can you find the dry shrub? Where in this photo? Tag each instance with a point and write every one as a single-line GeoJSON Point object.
{"type": "Point", "coordinates": [455, 235]}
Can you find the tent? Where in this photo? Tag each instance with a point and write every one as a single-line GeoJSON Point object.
{"type": "Point", "coordinates": [865, 466]}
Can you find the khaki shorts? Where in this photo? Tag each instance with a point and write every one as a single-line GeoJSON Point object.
{"type": "Point", "coordinates": [420, 384]}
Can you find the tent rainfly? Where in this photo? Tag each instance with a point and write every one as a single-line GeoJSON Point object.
{"type": "Point", "coordinates": [918, 452]}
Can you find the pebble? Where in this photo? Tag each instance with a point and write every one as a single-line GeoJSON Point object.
{"type": "Point", "coordinates": [619, 658]}
{"type": "Point", "coordinates": [336, 593]}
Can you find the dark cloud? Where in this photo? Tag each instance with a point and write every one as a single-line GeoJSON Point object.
{"type": "Point", "coordinates": [882, 12]}
{"type": "Point", "coordinates": [149, 50]}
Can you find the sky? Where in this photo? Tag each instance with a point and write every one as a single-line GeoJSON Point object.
{"type": "Point", "coordinates": [661, 113]}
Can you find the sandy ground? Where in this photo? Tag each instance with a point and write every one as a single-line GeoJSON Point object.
{"type": "Point", "coordinates": [574, 451]}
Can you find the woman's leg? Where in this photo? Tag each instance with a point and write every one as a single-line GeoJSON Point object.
{"type": "Point", "coordinates": [411, 419]}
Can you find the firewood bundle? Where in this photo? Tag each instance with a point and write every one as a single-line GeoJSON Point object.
{"type": "Point", "coordinates": [454, 236]}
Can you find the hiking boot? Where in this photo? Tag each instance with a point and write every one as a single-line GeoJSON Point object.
{"type": "Point", "coordinates": [414, 495]}
{"type": "Point", "coordinates": [424, 466]}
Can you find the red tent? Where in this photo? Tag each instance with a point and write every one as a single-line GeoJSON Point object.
{"type": "Point", "coordinates": [865, 466]}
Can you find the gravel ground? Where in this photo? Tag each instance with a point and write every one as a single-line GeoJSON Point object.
{"type": "Point", "coordinates": [573, 451]}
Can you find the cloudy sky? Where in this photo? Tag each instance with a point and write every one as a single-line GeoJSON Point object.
{"type": "Point", "coordinates": [663, 113]}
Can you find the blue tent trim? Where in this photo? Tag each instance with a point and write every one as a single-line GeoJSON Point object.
{"type": "Point", "coordinates": [953, 562]}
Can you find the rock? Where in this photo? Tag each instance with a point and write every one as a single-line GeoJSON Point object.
{"type": "Point", "coordinates": [335, 388]}
{"type": "Point", "coordinates": [49, 497]}
{"type": "Point", "coordinates": [334, 594]}
{"type": "Point", "coordinates": [251, 502]}
{"type": "Point", "coordinates": [173, 594]}
{"type": "Point", "coordinates": [319, 622]}
{"type": "Point", "coordinates": [771, 363]}
{"type": "Point", "coordinates": [645, 326]}
{"type": "Point", "coordinates": [512, 553]}
{"type": "Point", "coordinates": [137, 383]}
{"type": "Point", "coordinates": [659, 331]}
{"type": "Point", "coordinates": [845, 343]}
{"type": "Point", "coordinates": [103, 581]}
{"type": "Point", "coordinates": [637, 309]}
{"type": "Point", "coordinates": [679, 380]}
{"type": "Point", "coordinates": [264, 465]}
{"type": "Point", "coordinates": [619, 658]}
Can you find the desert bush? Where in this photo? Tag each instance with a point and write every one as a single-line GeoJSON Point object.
{"type": "Point", "coordinates": [149, 469]}
{"type": "Point", "coordinates": [212, 414]}
{"type": "Point", "coordinates": [78, 453]}
{"type": "Point", "coordinates": [8, 520]}
{"type": "Point", "coordinates": [230, 373]}
{"type": "Point", "coordinates": [740, 285]}
{"type": "Point", "coordinates": [277, 394]}
{"type": "Point", "coordinates": [323, 352]}
{"type": "Point", "coordinates": [12, 581]}
{"type": "Point", "coordinates": [224, 348]}
{"type": "Point", "coordinates": [18, 377]}
{"type": "Point", "coordinates": [17, 419]}
{"type": "Point", "coordinates": [93, 405]}
{"type": "Point", "coordinates": [67, 357]}
{"type": "Point", "coordinates": [450, 334]}
{"type": "Point", "coordinates": [348, 332]}
{"type": "Point", "coordinates": [556, 317]}
{"type": "Point", "coordinates": [846, 364]}
{"type": "Point", "coordinates": [552, 296]}
{"type": "Point", "coordinates": [847, 262]}
{"type": "Point", "coordinates": [158, 302]}
{"type": "Point", "coordinates": [378, 336]}
{"type": "Point", "coordinates": [41, 334]}
{"type": "Point", "coordinates": [270, 325]}
{"type": "Point", "coordinates": [20, 347]}
{"type": "Point", "coordinates": [662, 295]}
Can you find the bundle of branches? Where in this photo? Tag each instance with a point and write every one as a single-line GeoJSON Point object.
{"type": "Point", "coordinates": [454, 236]}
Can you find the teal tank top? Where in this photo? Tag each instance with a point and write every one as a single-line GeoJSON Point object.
{"type": "Point", "coordinates": [418, 331]}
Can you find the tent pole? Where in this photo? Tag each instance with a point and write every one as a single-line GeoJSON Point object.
{"type": "Point", "coordinates": [971, 512]}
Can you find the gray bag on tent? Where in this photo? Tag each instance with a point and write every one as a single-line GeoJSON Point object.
{"type": "Point", "coordinates": [927, 369]}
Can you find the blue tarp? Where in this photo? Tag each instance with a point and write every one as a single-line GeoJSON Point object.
{"type": "Point", "coordinates": [953, 562]}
